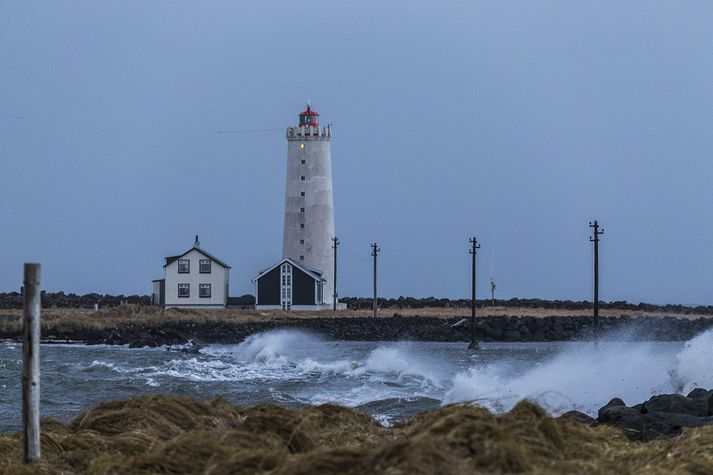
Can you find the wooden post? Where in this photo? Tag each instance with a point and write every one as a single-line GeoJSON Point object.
{"type": "Point", "coordinates": [31, 364]}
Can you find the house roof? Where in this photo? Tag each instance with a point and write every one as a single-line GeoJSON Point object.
{"type": "Point", "coordinates": [314, 273]}
{"type": "Point", "coordinates": [171, 259]}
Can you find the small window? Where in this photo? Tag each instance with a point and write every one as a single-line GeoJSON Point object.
{"type": "Point", "coordinates": [302, 225]}
{"type": "Point", "coordinates": [302, 146]}
{"type": "Point", "coordinates": [302, 193]}
{"type": "Point", "coordinates": [302, 178]}
{"type": "Point", "coordinates": [184, 291]}
{"type": "Point", "coordinates": [204, 291]}
{"type": "Point", "coordinates": [302, 258]}
{"type": "Point", "coordinates": [205, 266]}
{"type": "Point", "coordinates": [184, 266]}
{"type": "Point", "coordinates": [302, 210]}
{"type": "Point", "coordinates": [302, 241]}
{"type": "Point", "coordinates": [302, 162]}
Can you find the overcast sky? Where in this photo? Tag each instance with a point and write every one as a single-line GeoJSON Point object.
{"type": "Point", "coordinates": [517, 122]}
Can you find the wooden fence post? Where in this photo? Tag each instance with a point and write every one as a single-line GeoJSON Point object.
{"type": "Point", "coordinates": [31, 364]}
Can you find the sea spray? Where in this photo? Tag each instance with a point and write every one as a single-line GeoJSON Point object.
{"type": "Point", "coordinates": [585, 376]}
{"type": "Point", "coordinates": [694, 363]}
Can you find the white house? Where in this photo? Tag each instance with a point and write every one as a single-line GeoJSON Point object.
{"type": "Point", "coordinates": [194, 279]}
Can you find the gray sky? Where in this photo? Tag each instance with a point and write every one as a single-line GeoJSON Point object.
{"type": "Point", "coordinates": [514, 121]}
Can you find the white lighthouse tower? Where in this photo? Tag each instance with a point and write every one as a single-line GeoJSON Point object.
{"type": "Point", "coordinates": [309, 210]}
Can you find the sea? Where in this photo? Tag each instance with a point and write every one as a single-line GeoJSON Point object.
{"type": "Point", "coordinates": [389, 380]}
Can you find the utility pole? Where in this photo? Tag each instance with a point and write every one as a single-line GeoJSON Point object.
{"type": "Point", "coordinates": [595, 239]}
{"type": "Point", "coordinates": [375, 252]}
{"type": "Point", "coordinates": [492, 293]}
{"type": "Point", "coordinates": [335, 243]}
{"type": "Point", "coordinates": [474, 246]}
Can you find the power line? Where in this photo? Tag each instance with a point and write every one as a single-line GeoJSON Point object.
{"type": "Point", "coordinates": [138, 131]}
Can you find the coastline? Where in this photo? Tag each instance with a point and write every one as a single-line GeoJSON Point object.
{"type": "Point", "coordinates": [139, 326]}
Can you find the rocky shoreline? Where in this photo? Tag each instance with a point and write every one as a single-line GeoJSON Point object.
{"type": "Point", "coordinates": [164, 330]}
{"type": "Point", "coordinates": [664, 415]}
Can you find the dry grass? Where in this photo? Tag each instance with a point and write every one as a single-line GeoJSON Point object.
{"type": "Point", "coordinates": [179, 435]}
{"type": "Point", "coordinates": [69, 320]}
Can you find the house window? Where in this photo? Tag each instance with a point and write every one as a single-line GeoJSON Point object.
{"type": "Point", "coordinates": [302, 241]}
{"type": "Point", "coordinates": [302, 210]}
{"type": "Point", "coordinates": [184, 291]}
{"type": "Point", "coordinates": [205, 266]}
{"type": "Point", "coordinates": [302, 225]}
{"type": "Point", "coordinates": [302, 146]}
{"type": "Point", "coordinates": [184, 266]}
{"type": "Point", "coordinates": [302, 193]}
{"type": "Point", "coordinates": [302, 258]}
{"type": "Point", "coordinates": [204, 291]}
{"type": "Point", "coordinates": [302, 178]}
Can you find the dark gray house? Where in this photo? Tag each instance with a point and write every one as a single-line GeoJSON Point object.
{"type": "Point", "coordinates": [289, 285]}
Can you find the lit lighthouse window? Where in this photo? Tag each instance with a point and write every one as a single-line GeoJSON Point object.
{"type": "Point", "coordinates": [302, 145]}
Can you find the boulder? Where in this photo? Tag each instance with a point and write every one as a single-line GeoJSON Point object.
{"type": "Point", "coordinates": [676, 404]}
{"type": "Point", "coordinates": [579, 417]}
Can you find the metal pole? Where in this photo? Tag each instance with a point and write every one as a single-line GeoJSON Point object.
{"type": "Point", "coordinates": [31, 364]}
{"type": "Point", "coordinates": [595, 240]}
{"type": "Point", "coordinates": [474, 246]}
{"type": "Point", "coordinates": [375, 252]}
{"type": "Point", "coordinates": [334, 246]}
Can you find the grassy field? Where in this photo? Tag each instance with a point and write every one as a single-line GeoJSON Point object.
{"type": "Point", "coordinates": [160, 434]}
{"type": "Point", "coordinates": [104, 319]}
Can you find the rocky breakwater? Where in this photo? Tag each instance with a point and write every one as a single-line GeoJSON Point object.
{"type": "Point", "coordinates": [165, 331]}
{"type": "Point", "coordinates": [664, 415]}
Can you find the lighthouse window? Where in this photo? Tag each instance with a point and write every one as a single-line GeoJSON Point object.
{"type": "Point", "coordinates": [302, 146]}
{"type": "Point", "coordinates": [302, 258]}
{"type": "Point", "coordinates": [302, 193]}
{"type": "Point", "coordinates": [302, 162]}
{"type": "Point", "coordinates": [302, 210]}
{"type": "Point", "coordinates": [302, 225]}
{"type": "Point", "coordinates": [302, 241]}
{"type": "Point", "coordinates": [302, 178]}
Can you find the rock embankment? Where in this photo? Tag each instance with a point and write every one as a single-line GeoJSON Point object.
{"type": "Point", "coordinates": [664, 415]}
{"type": "Point", "coordinates": [163, 330]}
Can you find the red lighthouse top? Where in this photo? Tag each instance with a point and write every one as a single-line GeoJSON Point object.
{"type": "Point", "coordinates": [309, 118]}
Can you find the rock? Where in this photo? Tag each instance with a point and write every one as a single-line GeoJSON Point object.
{"type": "Point", "coordinates": [579, 417]}
{"type": "Point", "coordinates": [662, 424]}
{"type": "Point", "coordinates": [676, 404]}
{"type": "Point", "coordinates": [612, 403]}
{"type": "Point", "coordinates": [700, 393]}
{"type": "Point", "coordinates": [512, 335]}
{"type": "Point", "coordinates": [628, 419]}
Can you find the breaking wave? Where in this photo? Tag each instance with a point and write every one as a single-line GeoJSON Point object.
{"type": "Point", "coordinates": [584, 376]}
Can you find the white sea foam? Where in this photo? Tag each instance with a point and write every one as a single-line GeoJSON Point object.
{"type": "Point", "coordinates": [585, 376]}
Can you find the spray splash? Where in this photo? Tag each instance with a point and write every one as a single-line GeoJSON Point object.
{"type": "Point", "coordinates": [585, 376]}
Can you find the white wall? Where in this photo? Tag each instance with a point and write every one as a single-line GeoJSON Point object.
{"type": "Point", "coordinates": [218, 278]}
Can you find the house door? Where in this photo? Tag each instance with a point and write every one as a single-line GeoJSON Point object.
{"type": "Point", "coordinates": [286, 279]}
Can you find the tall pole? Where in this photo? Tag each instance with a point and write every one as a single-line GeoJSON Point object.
{"type": "Point", "coordinates": [474, 246]}
{"type": "Point", "coordinates": [375, 252]}
{"type": "Point", "coordinates": [31, 364]}
{"type": "Point", "coordinates": [335, 244]}
{"type": "Point", "coordinates": [595, 239]}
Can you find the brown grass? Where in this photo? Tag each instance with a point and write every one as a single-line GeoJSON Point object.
{"type": "Point", "coordinates": [180, 435]}
{"type": "Point", "coordinates": [69, 320]}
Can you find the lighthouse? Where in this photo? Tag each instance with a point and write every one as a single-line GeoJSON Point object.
{"type": "Point", "coordinates": [309, 209]}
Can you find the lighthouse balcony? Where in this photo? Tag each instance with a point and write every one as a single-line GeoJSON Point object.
{"type": "Point", "coordinates": [306, 132]}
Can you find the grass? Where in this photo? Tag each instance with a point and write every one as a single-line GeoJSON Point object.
{"type": "Point", "coordinates": [71, 320]}
{"type": "Point", "coordinates": [160, 434]}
